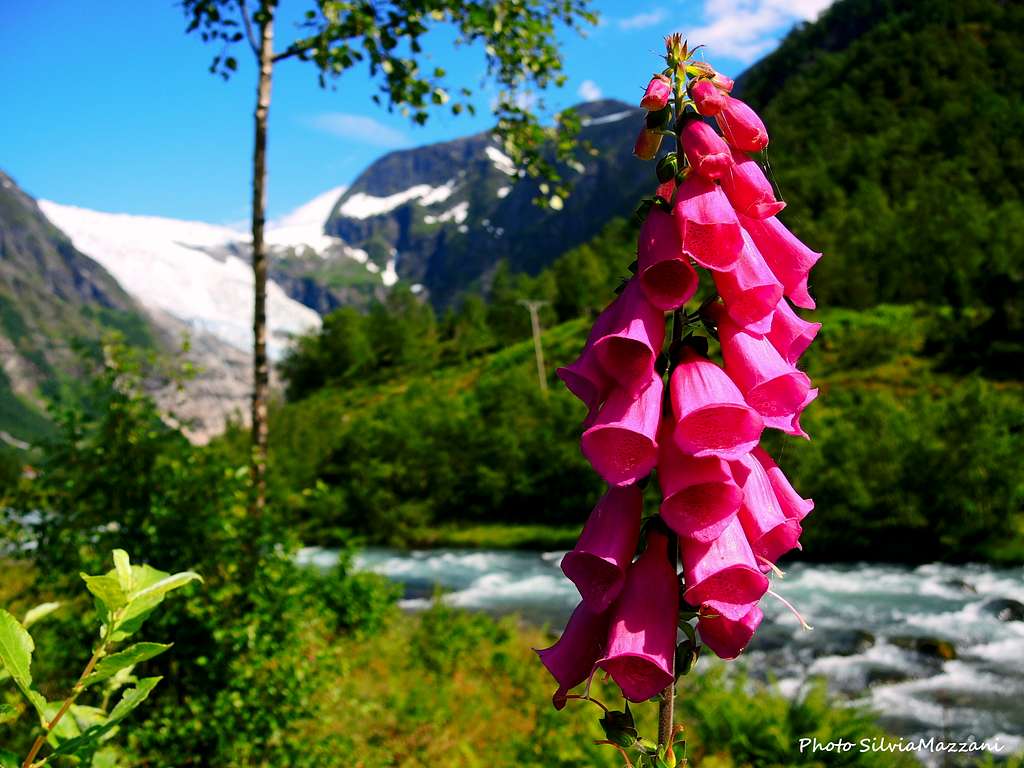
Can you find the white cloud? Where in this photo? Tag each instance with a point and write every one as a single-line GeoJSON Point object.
{"type": "Point", "coordinates": [747, 29]}
{"type": "Point", "coordinates": [359, 128]}
{"type": "Point", "coordinates": [643, 20]}
{"type": "Point", "coordinates": [589, 91]}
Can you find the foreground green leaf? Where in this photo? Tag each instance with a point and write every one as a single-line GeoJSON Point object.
{"type": "Point", "coordinates": [16, 648]}
{"type": "Point", "coordinates": [129, 657]}
{"type": "Point", "coordinates": [41, 611]}
{"type": "Point", "coordinates": [131, 699]}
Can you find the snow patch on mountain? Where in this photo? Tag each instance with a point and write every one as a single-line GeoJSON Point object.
{"type": "Point", "coordinates": [364, 206]}
{"type": "Point", "coordinates": [305, 225]}
{"type": "Point", "coordinates": [458, 213]}
{"type": "Point", "coordinates": [614, 117]}
{"type": "Point", "coordinates": [501, 161]}
{"type": "Point", "coordinates": [165, 265]}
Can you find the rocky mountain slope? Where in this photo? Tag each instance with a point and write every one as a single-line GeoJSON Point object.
{"type": "Point", "coordinates": [443, 215]}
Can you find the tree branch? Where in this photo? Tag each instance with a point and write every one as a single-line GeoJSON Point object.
{"type": "Point", "coordinates": [287, 53]}
{"type": "Point", "coordinates": [248, 27]}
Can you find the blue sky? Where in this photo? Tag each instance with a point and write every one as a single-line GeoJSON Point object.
{"type": "Point", "coordinates": [109, 105]}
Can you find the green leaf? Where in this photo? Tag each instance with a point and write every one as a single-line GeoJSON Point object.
{"type": "Point", "coordinates": [7, 712]}
{"type": "Point", "coordinates": [16, 648]}
{"type": "Point", "coordinates": [129, 657]}
{"type": "Point", "coordinates": [107, 589]}
{"type": "Point", "coordinates": [39, 612]}
{"type": "Point", "coordinates": [123, 567]}
{"type": "Point", "coordinates": [9, 759]}
{"type": "Point", "coordinates": [151, 588]}
{"type": "Point", "coordinates": [129, 701]}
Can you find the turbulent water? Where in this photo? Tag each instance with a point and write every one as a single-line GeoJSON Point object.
{"type": "Point", "coordinates": [875, 639]}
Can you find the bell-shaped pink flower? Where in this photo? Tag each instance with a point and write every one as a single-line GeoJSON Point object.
{"type": "Point", "coordinates": [712, 418]}
{"type": "Point", "coordinates": [571, 659]}
{"type": "Point", "coordinates": [747, 188]}
{"type": "Point", "coordinates": [706, 151]}
{"type": "Point", "coordinates": [789, 259]}
{"type": "Point", "coordinates": [708, 98]}
{"type": "Point", "coordinates": [708, 227]}
{"type": "Point", "coordinates": [664, 269]}
{"type": "Point", "coordinates": [770, 385]}
{"type": "Point", "coordinates": [658, 92]}
{"type": "Point", "coordinates": [641, 642]}
{"type": "Point", "coordinates": [728, 637]}
{"type": "Point", "coordinates": [701, 495]}
{"type": "Point", "coordinates": [793, 505]}
{"type": "Point", "coordinates": [723, 82]}
{"type": "Point", "coordinates": [598, 563]}
{"type": "Point", "coordinates": [790, 422]}
{"type": "Point", "coordinates": [647, 144]}
{"type": "Point", "coordinates": [633, 334]}
{"type": "Point", "coordinates": [771, 534]}
{"type": "Point", "coordinates": [723, 574]}
{"type": "Point", "coordinates": [749, 289]}
{"type": "Point", "coordinates": [741, 126]}
{"type": "Point", "coordinates": [790, 333]}
{"type": "Point", "coordinates": [585, 377]}
{"type": "Point", "coordinates": [621, 445]}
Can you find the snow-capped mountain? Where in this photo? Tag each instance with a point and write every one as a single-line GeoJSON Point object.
{"type": "Point", "coordinates": [195, 272]}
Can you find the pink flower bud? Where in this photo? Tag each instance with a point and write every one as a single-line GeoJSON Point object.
{"type": "Point", "coordinates": [712, 418]}
{"type": "Point", "coordinates": [728, 638]}
{"type": "Point", "coordinates": [647, 144]}
{"type": "Point", "coordinates": [707, 97]}
{"type": "Point", "coordinates": [741, 126]}
{"type": "Point", "coordinates": [667, 191]}
{"type": "Point", "coordinates": [571, 659]}
{"type": "Point", "coordinates": [598, 563]}
{"type": "Point", "coordinates": [701, 495]}
{"type": "Point", "coordinates": [771, 534]}
{"type": "Point", "coordinates": [749, 289]}
{"type": "Point", "coordinates": [723, 82]}
{"type": "Point", "coordinates": [723, 574]}
{"type": "Point", "coordinates": [793, 505]}
{"type": "Point", "coordinates": [747, 188]}
{"type": "Point", "coordinates": [790, 333]}
{"type": "Point", "coordinates": [707, 224]}
{"type": "Point", "coordinates": [658, 92]}
{"type": "Point", "coordinates": [664, 270]}
{"type": "Point", "coordinates": [787, 257]}
{"type": "Point", "coordinates": [642, 636]}
{"type": "Point", "coordinates": [706, 151]}
{"type": "Point", "coordinates": [770, 385]}
{"type": "Point", "coordinates": [622, 445]}
{"type": "Point", "coordinates": [633, 334]}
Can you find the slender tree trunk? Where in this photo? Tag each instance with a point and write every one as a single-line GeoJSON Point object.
{"type": "Point", "coordinates": [261, 371]}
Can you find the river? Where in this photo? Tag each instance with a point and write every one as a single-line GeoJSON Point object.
{"type": "Point", "coordinates": [876, 628]}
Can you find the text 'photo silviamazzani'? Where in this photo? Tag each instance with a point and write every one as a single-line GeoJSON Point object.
{"type": "Point", "coordinates": [727, 510]}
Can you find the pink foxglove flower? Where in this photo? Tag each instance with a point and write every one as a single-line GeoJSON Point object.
{"type": "Point", "coordinates": [621, 445]}
{"type": "Point", "coordinates": [770, 385]}
{"type": "Point", "coordinates": [723, 82]}
{"type": "Point", "coordinates": [771, 534]}
{"type": "Point", "coordinates": [701, 495]}
{"type": "Point", "coordinates": [723, 574]}
{"type": "Point", "coordinates": [598, 563]}
{"type": "Point", "coordinates": [642, 635]}
{"type": "Point", "coordinates": [708, 98]}
{"type": "Point", "coordinates": [664, 269]}
{"type": "Point", "coordinates": [647, 144]}
{"type": "Point", "coordinates": [585, 377]}
{"type": "Point", "coordinates": [790, 333]}
{"type": "Point", "coordinates": [706, 151]}
{"type": "Point", "coordinates": [741, 126]}
{"type": "Point", "coordinates": [658, 92]}
{"type": "Point", "coordinates": [712, 418]}
{"type": "Point", "coordinates": [747, 188]}
{"type": "Point", "coordinates": [634, 331]}
{"type": "Point", "coordinates": [728, 637]}
{"type": "Point", "coordinates": [788, 258]}
{"type": "Point", "coordinates": [793, 505]}
{"type": "Point", "coordinates": [571, 659]}
{"type": "Point", "coordinates": [708, 226]}
{"type": "Point", "coordinates": [749, 289]}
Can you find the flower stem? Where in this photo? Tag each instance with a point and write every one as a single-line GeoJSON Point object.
{"type": "Point", "coordinates": [666, 708]}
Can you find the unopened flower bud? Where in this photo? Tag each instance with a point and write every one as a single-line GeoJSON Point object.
{"type": "Point", "coordinates": [708, 99]}
{"type": "Point", "coordinates": [647, 144]}
{"type": "Point", "coordinates": [658, 92]}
